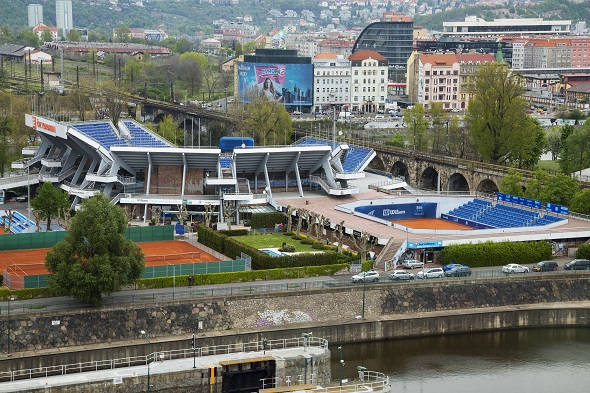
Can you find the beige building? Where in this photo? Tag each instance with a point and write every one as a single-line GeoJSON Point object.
{"type": "Point", "coordinates": [369, 80]}
{"type": "Point", "coordinates": [443, 77]}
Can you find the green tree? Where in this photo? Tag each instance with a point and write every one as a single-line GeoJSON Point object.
{"type": "Point", "coordinates": [554, 142]}
{"type": "Point", "coordinates": [94, 257]}
{"type": "Point", "coordinates": [46, 36]}
{"type": "Point", "coordinates": [574, 155]}
{"type": "Point", "coordinates": [74, 35]}
{"type": "Point", "coordinates": [560, 189]}
{"type": "Point", "coordinates": [512, 183]}
{"type": "Point", "coordinates": [168, 129]}
{"type": "Point", "coordinates": [497, 113]}
{"type": "Point", "coordinates": [29, 38]}
{"type": "Point", "coordinates": [417, 126]}
{"type": "Point", "coordinates": [192, 65]}
{"type": "Point", "coordinates": [535, 185]}
{"type": "Point", "coordinates": [122, 34]}
{"type": "Point", "coordinates": [581, 202]}
{"type": "Point", "coordinates": [528, 152]}
{"type": "Point", "coordinates": [267, 122]}
{"type": "Point", "coordinates": [439, 137]}
{"type": "Point", "coordinates": [50, 202]}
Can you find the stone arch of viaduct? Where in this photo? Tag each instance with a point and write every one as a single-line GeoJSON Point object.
{"type": "Point", "coordinates": [430, 174]}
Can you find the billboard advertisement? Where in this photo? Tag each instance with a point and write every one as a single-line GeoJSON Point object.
{"type": "Point", "coordinates": [288, 84]}
{"type": "Point", "coordinates": [402, 211]}
{"type": "Point", "coordinates": [46, 126]}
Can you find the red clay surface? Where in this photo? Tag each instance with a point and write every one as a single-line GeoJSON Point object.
{"type": "Point", "coordinates": [431, 223]}
{"type": "Point", "coordinates": [31, 262]}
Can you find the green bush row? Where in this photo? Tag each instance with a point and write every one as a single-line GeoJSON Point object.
{"type": "Point", "coordinates": [266, 220]}
{"type": "Point", "coordinates": [235, 232]}
{"type": "Point", "coordinates": [261, 261]}
{"type": "Point", "coordinates": [496, 254]}
{"type": "Point", "coordinates": [23, 294]}
{"type": "Point", "coordinates": [248, 276]}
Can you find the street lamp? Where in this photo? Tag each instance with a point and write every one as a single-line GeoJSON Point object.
{"type": "Point", "coordinates": [147, 358]}
{"type": "Point", "coordinates": [8, 325]}
{"type": "Point", "coordinates": [305, 340]}
{"type": "Point", "coordinates": [364, 292]}
{"type": "Point", "coordinates": [341, 363]}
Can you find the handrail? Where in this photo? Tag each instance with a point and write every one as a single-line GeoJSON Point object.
{"type": "Point", "coordinates": [109, 364]}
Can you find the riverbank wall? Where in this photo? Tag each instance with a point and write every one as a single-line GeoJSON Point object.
{"type": "Point", "coordinates": [390, 311]}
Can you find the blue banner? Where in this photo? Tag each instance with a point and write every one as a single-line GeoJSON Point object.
{"type": "Point", "coordinates": [553, 208]}
{"type": "Point", "coordinates": [431, 244]}
{"type": "Point", "coordinates": [462, 221]}
{"type": "Point", "coordinates": [403, 211]}
{"type": "Point", "coordinates": [519, 200]}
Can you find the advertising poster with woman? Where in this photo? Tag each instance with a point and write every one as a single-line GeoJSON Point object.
{"type": "Point", "coordinates": [289, 84]}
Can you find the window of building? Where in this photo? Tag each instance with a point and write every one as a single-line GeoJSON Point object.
{"type": "Point", "coordinates": [426, 97]}
{"type": "Point", "coordinates": [427, 73]}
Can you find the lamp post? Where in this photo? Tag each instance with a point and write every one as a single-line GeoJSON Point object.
{"type": "Point", "coordinates": [364, 292]}
{"type": "Point", "coordinates": [28, 196]}
{"type": "Point", "coordinates": [8, 326]}
{"type": "Point", "coordinates": [226, 100]}
{"type": "Point", "coordinates": [147, 358]}
{"type": "Point", "coordinates": [341, 363]}
{"type": "Point", "coordinates": [305, 340]}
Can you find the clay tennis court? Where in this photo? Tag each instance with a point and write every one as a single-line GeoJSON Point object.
{"type": "Point", "coordinates": [171, 252]}
{"type": "Point", "coordinates": [431, 223]}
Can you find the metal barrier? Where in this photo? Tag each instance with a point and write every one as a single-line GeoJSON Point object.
{"type": "Point", "coordinates": [75, 368]}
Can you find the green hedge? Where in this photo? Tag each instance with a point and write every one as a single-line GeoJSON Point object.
{"type": "Point", "coordinates": [248, 276]}
{"type": "Point", "coordinates": [235, 232]}
{"type": "Point", "coordinates": [583, 252]}
{"type": "Point", "coordinates": [261, 261]}
{"type": "Point", "coordinates": [23, 294]}
{"type": "Point", "coordinates": [267, 220]}
{"type": "Point", "coordinates": [497, 254]}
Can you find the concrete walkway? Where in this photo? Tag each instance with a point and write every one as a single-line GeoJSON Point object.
{"type": "Point", "coordinates": [159, 367]}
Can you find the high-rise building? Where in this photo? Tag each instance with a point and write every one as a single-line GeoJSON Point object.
{"type": "Point", "coordinates": [35, 14]}
{"type": "Point", "coordinates": [393, 38]}
{"type": "Point", "coordinates": [63, 16]}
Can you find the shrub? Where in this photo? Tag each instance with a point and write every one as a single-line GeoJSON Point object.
{"type": "Point", "coordinates": [583, 252]}
{"type": "Point", "coordinates": [235, 232]}
{"type": "Point", "coordinates": [287, 248]}
{"type": "Point", "coordinates": [496, 254]}
{"type": "Point", "coordinates": [267, 220]}
{"type": "Point", "coordinates": [307, 241]}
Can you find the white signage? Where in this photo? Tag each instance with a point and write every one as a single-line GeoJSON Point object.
{"type": "Point", "coordinates": [55, 323]}
{"type": "Point", "coordinates": [46, 126]}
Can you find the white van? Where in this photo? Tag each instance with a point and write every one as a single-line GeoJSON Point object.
{"type": "Point", "coordinates": [345, 115]}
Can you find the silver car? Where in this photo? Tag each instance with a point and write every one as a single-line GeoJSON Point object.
{"type": "Point", "coordinates": [512, 268]}
{"type": "Point", "coordinates": [401, 275]}
{"type": "Point", "coordinates": [369, 276]}
{"type": "Point", "coordinates": [431, 272]}
{"type": "Point", "coordinates": [412, 264]}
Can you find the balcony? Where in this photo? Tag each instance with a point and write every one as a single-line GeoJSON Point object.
{"type": "Point", "coordinates": [52, 162]}
{"type": "Point", "coordinates": [30, 150]}
{"type": "Point", "coordinates": [20, 164]}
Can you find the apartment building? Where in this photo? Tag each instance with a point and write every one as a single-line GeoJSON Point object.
{"type": "Point", "coordinates": [332, 81]}
{"type": "Point", "coordinates": [443, 78]}
{"type": "Point", "coordinates": [369, 80]}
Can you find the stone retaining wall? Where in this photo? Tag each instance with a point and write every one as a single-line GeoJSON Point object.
{"type": "Point", "coordinates": [60, 329]}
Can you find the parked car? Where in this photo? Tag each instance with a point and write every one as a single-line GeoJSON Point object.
{"type": "Point", "coordinates": [512, 268]}
{"type": "Point", "coordinates": [297, 113]}
{"type": "Point", "coordinates": [401, 275]}
{"type": "Point", "coordinates": [379, 117]}
{"type": "Point", "coordinates": [545, 266]}
{"type": "Point", "coordinates": [577, 264]}
{"type": "Point", "coordinates": [458, 271]}
{"type": "Point", "coordinates": [368, 276]}
{"type": "Point", "coordinates": [431, 272]}
{"type": "Point", "coordinates": [453, 265]}
{"type": "Point", "coordinates": [412, 264]}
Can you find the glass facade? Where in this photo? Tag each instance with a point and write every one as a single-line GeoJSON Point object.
{"type": "Point", "coordinates": [393, 40]}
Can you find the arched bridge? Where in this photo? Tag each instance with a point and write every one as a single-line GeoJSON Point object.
{"type": "Point", "coordinates": [437, 172]}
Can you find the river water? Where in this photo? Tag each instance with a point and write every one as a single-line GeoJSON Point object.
{"type": "Point", "coordinates": [530, 360]}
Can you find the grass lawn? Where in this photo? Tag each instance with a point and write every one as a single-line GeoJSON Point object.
{"type": "Point", "coordinates": [273, 240]}
{"type": "Point", "coordinates": [548, 165]}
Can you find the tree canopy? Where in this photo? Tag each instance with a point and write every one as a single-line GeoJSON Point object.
{"type": "Point", "coordinates": [497, 115]}
{"type": "Point", "coordinates": [94, 258]}
{"type": "Point", "coordinates": [267, 122]}
{"type": "Point", "coordinates": [51, 203]}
